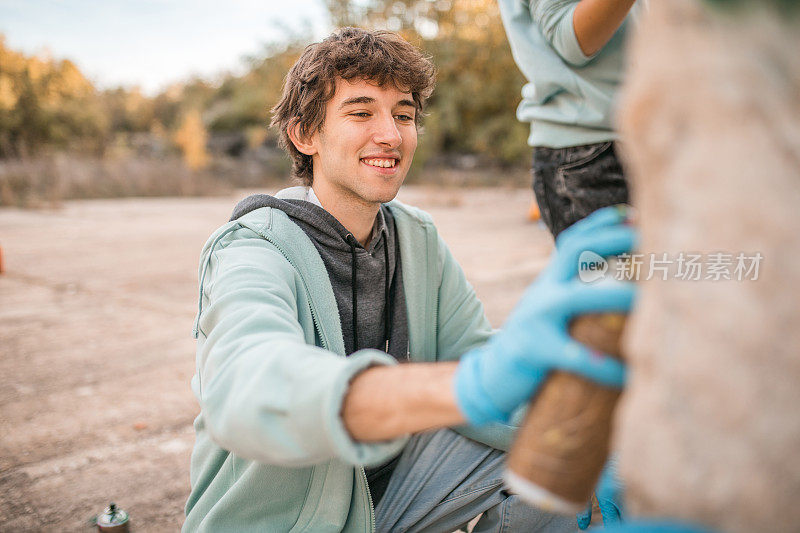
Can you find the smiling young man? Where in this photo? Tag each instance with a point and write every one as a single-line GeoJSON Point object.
{"type": "Point", "coordinates": [332, 323]}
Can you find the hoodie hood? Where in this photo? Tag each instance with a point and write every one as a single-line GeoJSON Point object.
{"type": "Point", "coordinates": [301, 208]}
{"type": "Point", "coordinates": [367, 282]}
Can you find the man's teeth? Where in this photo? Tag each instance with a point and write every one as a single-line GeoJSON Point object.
{"type": "Point", "coordinates": [385, 163]}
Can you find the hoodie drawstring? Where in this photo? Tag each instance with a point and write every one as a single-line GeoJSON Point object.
{"type": "Point", "coordinates": [352, 242]}
{"type": "Point", "coordinates": [386, 302]}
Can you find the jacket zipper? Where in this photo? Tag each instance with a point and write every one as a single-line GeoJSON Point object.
{"type": "Point", "coordinates": [315, 319]}
{"type": "Point", "coordinates": [369, 497]}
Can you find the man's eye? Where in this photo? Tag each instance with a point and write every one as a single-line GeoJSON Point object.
{"type": "Point", "coordinates": [404, 118]}
{"type": "Point", "coordinates": [361, 114]}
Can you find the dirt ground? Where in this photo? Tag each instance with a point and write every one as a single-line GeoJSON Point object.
{"type": "Point", "coordinates": [96, 309]}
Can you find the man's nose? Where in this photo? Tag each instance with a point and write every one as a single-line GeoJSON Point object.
{"type": "Point", "coordinates": [386, 133]}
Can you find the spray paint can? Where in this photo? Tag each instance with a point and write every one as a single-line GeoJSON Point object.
{"type": "Point", "coordinates": [113, 520]}
{"type": "Point", "coordinates": [563, 444]}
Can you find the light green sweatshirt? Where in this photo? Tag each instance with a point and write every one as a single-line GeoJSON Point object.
{"type": "Point", "coordinates": [271, 451]}
{"type": "Point", "coordinates": [569, 97]}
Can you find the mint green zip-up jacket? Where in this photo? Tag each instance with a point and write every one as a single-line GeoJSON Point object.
{"type": "Point", "coordinates": [271, 451]}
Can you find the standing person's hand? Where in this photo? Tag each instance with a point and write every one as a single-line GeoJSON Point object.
{"type": "Point", "coordinates": [609, 494]}
{"type": "Point", "coordinates": [495, 379]}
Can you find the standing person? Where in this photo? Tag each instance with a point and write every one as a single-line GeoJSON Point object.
{"type": "Point", "coordinates": [571, 52]}
{"type": "Point", "coordinates": [333, 320]}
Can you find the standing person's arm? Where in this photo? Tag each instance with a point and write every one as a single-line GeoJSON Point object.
{"type": "Point", "coordinates": [578, 30]}
{"type": "Point", "coordinates": [595, 22]}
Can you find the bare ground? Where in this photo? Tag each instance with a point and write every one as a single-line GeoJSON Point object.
{"type": "Point", "coordinates": [96, 309]}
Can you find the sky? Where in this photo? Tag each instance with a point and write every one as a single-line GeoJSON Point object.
{"type": "Point", "coordinates": [153, 43]}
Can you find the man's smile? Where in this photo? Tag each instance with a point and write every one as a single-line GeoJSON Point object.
{"type": "Point", "coordinates": [382, 162]}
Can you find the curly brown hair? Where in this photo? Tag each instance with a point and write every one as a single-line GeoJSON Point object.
{"type": "Point", "coordinates": [381, 57]}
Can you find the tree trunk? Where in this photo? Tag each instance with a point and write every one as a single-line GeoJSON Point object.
{"type": "Point", "coordinates": [709, 427]}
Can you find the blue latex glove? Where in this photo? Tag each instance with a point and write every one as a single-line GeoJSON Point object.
{"type": "Point", "coordinates": [609, 498]}
{"type": "Point", "coordinates": [493, 380]}
{"type": "Point", "coordinates": [656, 526]}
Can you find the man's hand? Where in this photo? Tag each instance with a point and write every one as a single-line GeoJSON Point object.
{"type": "Point", "coordinates": [495, 379]}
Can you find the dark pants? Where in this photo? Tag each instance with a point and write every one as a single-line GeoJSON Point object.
{"type": "Point", "coordinates": [571, 183]}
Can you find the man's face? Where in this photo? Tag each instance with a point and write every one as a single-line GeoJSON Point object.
{"type": "Point", "coordinates": [366, 144]}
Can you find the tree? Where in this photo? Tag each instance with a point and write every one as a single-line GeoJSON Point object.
{"type": "Point", "coordinates": [191, 137]}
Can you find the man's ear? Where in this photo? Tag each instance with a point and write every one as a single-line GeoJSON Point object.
{"type": "Point", "coordinates": [303, 144]}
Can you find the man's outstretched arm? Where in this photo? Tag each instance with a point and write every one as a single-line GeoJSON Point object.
{"type": "Point", "coordinates": [491, 381]}
{"type": "Point", "coordinates": [388, 401]}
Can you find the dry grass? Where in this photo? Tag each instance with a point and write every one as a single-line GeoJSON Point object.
{"type": "Point", "coordinates": [47, 180]}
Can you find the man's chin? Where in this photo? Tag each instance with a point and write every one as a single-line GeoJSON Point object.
{"type": "Point", "coordinates": [381, 198]}
{"type": "Point", "coordinates": [391, 195]}
{"type": "Point", "coordinates": [386, 192]}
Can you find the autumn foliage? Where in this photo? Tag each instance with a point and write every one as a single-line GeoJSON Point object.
{"type": "Point", "coordinates": [48, 107]}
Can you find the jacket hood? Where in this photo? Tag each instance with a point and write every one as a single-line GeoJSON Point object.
{"type": "Point", "coordinates": [293, 201]}
{"type": "Point", "coordinates": [370, 317]}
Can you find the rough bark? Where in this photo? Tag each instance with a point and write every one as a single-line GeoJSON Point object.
{"type": "Point", "coordinates": [709, 427]}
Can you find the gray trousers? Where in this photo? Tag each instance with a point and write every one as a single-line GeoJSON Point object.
{"type": "Point", "coordinates": [443, 481]}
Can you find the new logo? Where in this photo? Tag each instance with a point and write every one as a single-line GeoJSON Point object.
{"type": "Point", "coordinates": [591, 267]}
